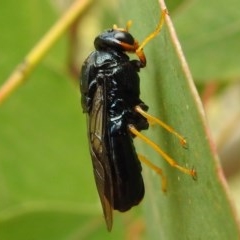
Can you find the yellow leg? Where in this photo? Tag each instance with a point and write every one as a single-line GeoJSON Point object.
{"type": "Point", "coordinates": [162, 124]}
{"type": "Point", "coordinates": [155, 32]}
{"type": "Point", "coordinates": [139, 50]}
{"type": "Point", "coordinates": [191, 172]}
{"type": "Point", "coordinates": [155, 168]}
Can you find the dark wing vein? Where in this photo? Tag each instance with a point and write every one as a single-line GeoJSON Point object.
{"type": "Point", "coordinates": [102, 171]}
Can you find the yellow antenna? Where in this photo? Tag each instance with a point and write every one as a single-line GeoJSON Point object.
{"type": "Point", "coordinates": [128, 25]}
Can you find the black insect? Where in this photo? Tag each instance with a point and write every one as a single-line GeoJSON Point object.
{"type": "Point", "coordinates": [115, 113]}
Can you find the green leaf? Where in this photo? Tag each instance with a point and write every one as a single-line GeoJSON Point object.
{"type": "Point", "coordinates": [190, 209]}
{"type": "Point", "coordinates": [209, 33]}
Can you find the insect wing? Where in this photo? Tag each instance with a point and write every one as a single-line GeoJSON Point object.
{"type": "Point", "coordinates": [100, 160]}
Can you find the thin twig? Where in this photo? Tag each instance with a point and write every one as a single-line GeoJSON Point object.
{"type": "Point", "coordinates": [21, 72]}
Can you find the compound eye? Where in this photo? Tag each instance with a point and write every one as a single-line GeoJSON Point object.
{"type": "Point", "coordinates": [124, 37]}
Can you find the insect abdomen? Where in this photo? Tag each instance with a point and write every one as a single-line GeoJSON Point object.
{"type": "Point", "coordinates": [128, 186]}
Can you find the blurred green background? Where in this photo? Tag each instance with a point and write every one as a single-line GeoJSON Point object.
{"type": "Point", "coordinates": [47, 190]}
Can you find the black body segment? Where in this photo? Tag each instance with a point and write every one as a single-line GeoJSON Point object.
{"type": "Point", "coordinates": [110, 91]}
